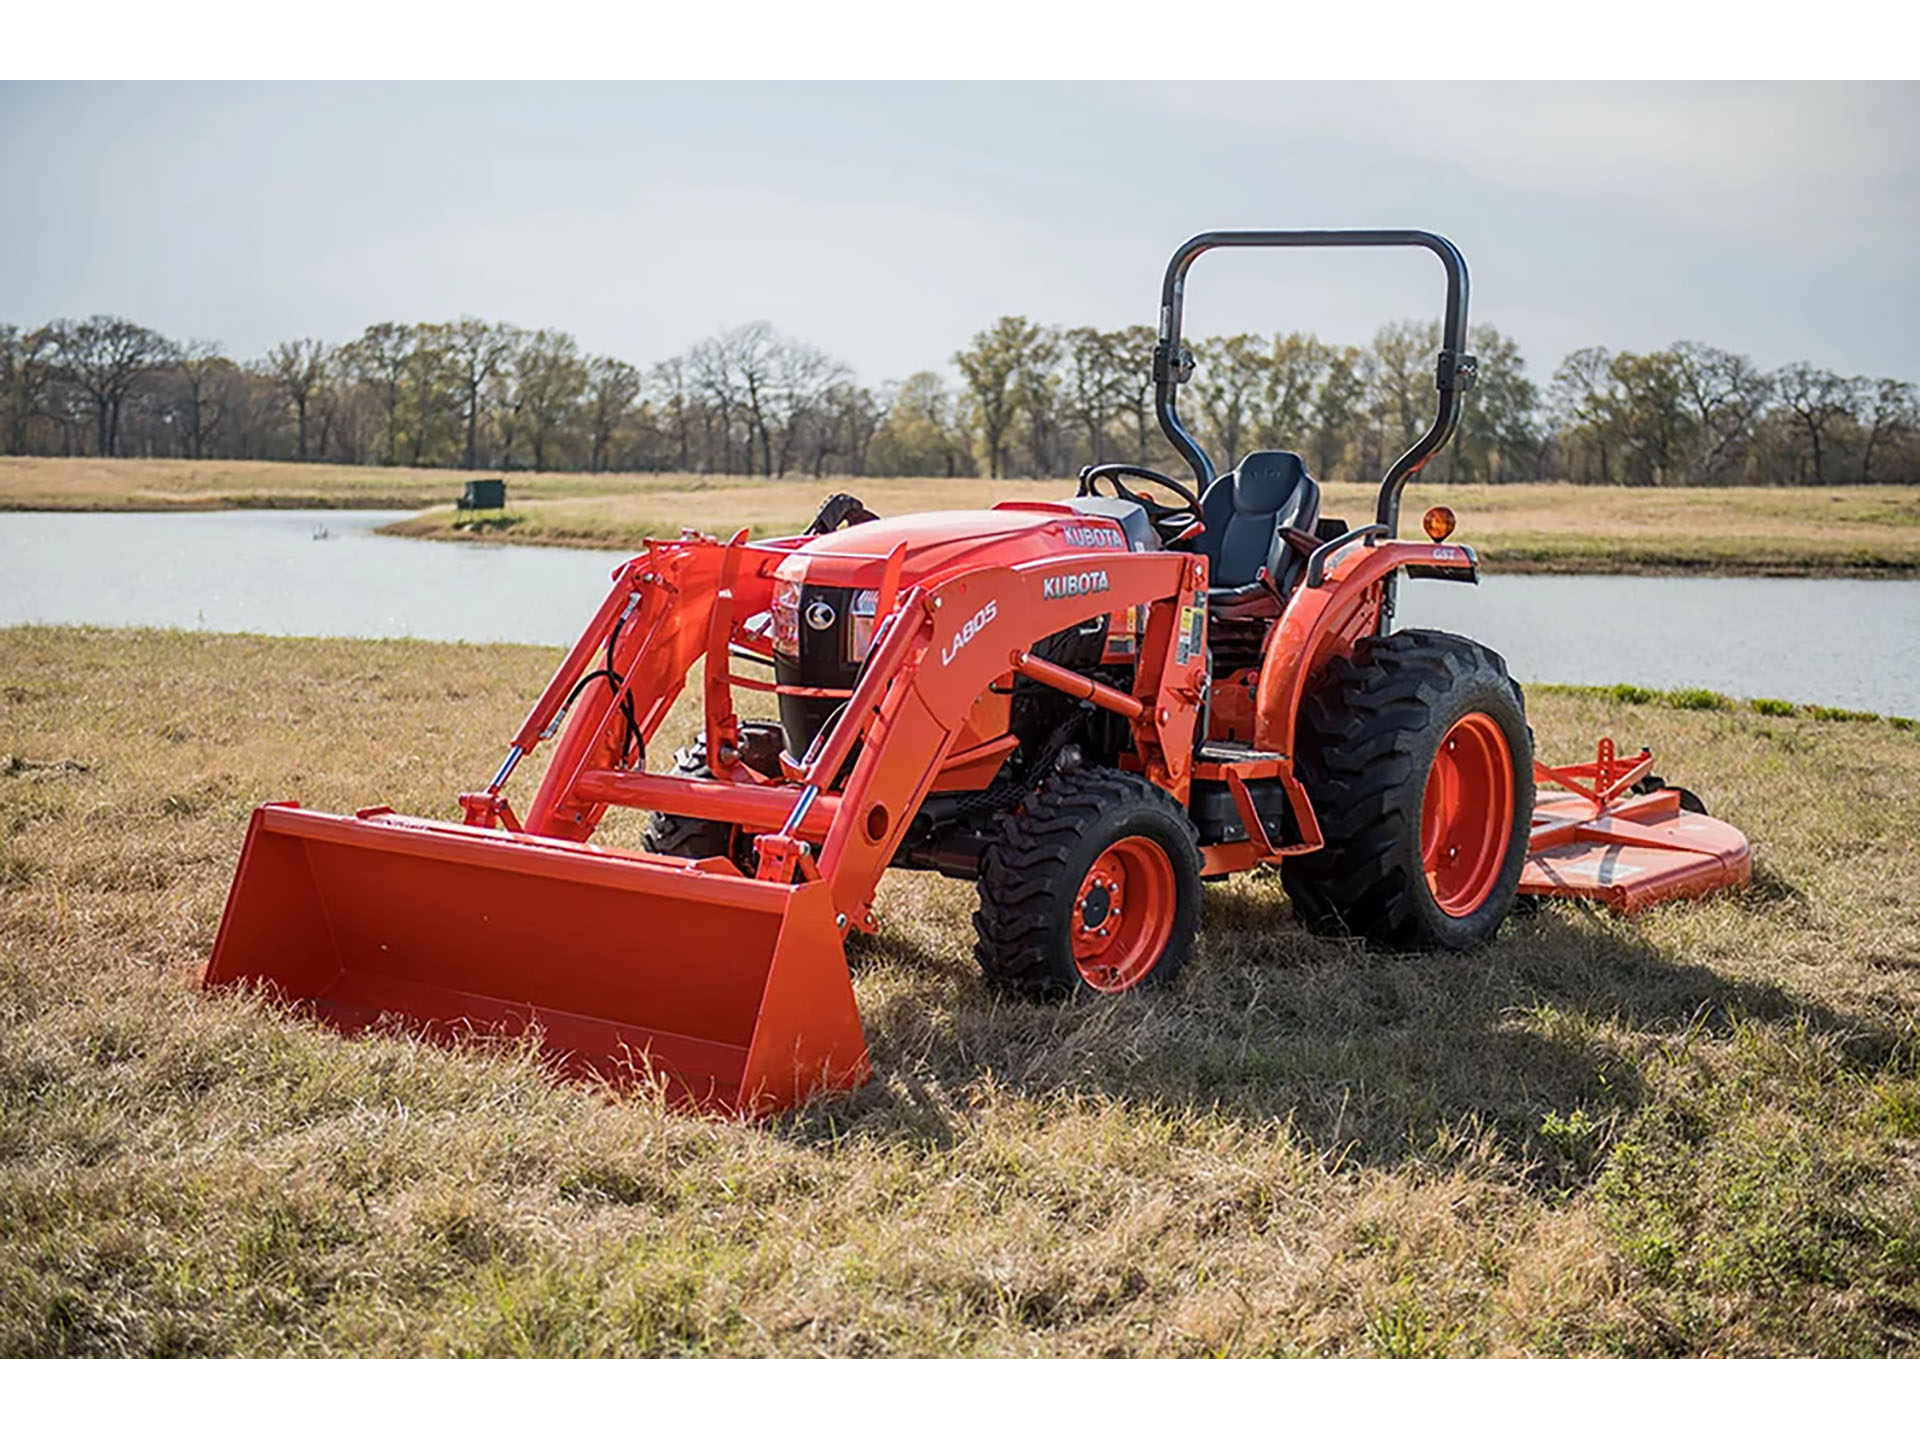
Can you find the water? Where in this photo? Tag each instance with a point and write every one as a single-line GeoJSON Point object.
{"type": "Point", "coordinates": [264, 571]}
{"type": "Point", "coordinates": [1853, 643]}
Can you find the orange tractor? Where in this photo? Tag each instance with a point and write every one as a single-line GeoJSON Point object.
{"type": "Point", "coordinates": [1087, 707]}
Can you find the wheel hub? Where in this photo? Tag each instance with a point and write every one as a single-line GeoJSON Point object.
{"type": "Point", "coordinates": [1123, 914]}
{"type": "Point", "coordinates": [1466, 816]}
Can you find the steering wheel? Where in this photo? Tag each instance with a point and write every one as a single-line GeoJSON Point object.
{"type": "Point", "coordinates": [1169, 520]}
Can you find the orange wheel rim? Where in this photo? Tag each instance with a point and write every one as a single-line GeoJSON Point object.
{"type": "Point", "coordinates": [1466, 818]}
{"type": "Point", "coordinates": [1123, 914]}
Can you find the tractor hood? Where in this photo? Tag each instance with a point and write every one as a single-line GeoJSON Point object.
{"type": "Point", "coordinates": [942, 541]}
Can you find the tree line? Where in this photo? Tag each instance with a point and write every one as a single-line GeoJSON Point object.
{"type": "Point", "coordinates": [1031, 400]}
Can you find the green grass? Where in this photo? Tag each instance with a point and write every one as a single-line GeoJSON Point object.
{"type": "Point", "coordinates": [1699, 699]}
{"type": "Point", "coordinates": [1694, 1132]}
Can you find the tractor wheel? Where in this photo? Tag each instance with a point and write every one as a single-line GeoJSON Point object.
{"type": "Point", "coordinates": [1416, 754]}
{"type": "Point", "coordinates": [688, 836]}
{"type": "Point", "coordinates": [1093, 884]}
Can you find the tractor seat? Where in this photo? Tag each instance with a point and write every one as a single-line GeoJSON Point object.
{"type": "Point", "coordinates": [1247, 513]}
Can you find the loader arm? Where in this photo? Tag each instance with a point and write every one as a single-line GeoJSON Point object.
{"type": "Point", "coordinates": [949, 644]}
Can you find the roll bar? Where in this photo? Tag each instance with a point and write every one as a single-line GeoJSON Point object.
{"type": "Point", "coordinates": [1454, 373]}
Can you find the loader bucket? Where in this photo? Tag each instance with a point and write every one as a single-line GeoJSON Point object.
{"type": "Point", "coordinates": [733, 991]}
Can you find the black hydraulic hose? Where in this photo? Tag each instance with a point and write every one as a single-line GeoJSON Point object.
{"type": "Point", "coordinates": [615, 682]}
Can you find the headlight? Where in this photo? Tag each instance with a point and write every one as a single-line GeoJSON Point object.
{"type": "Point", "coordinates": [860, 625]}
{"type": "Point", "coordinates": [786, 617]}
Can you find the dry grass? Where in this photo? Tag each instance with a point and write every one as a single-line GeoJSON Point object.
{"type": "Point", "coordinates": [1694, 1133]}
{"type": "Point", "coordinates": [37, 483]}
{"type": "Point", "coordinates": [1516, 528]}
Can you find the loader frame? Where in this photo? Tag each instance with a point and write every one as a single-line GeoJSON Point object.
{"type": "Point", "coordinates": [936, 650]}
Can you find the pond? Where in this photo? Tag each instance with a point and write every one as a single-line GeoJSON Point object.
{"type": "Point", "coordinates": [1852, 643]}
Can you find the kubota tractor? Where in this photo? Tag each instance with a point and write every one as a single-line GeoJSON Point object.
{"type": "Point", "coordinates": [1087, 707]}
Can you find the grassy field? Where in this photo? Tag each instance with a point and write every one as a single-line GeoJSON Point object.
{"type": "Point", "coordinates": [1516, 528]}
{"type": "Point", "coordinates": [1697, 1132]}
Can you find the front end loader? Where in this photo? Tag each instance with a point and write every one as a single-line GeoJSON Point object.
{"type": "Point", "coordinates": [1086, 707]}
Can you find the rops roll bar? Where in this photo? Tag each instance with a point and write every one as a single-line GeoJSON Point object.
{"type": "Point", "coordinates": [1173, 361]}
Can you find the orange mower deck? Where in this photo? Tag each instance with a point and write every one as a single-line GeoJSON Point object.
{"type": "Point", "coordinates": [1597, 837]}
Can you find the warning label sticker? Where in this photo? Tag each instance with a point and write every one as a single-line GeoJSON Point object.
{"type": "Point", "coordinates": [1193, 631]}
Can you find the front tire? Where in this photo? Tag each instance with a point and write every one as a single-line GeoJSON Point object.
{"type": "Point", "coordinates": [1416, 754]}
{"type": "Point", "coordinates": [690, 837]}
{"type": "Point", "coordinates": [1092, 885]}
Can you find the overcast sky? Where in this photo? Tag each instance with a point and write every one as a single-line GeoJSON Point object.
{"type": "Point", "coordinates": [887, 223]}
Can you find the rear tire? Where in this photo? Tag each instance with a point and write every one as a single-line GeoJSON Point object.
{"type": "Point", "coordinates": [1092, 885]}
{"type": "Point", "coordinates": [1416, 754]}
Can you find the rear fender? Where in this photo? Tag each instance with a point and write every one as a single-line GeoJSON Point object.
{"type": "Point", "coordinates": [1329, 619]}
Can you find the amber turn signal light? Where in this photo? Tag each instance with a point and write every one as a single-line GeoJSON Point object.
{"type": "Point", "coordinates": [1438, 523]}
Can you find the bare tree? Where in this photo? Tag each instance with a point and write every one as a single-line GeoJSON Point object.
{"type": "Point", "coordinates": [1586, 405]}
{"type": "Point", "coordinates": [669, 380]}
{"type": "Point", "coordinates": [378, 360]}
{"type": "Point", "coordinates": [1399, 374]}
{"type": "Point", "coordinates": [476, 354]}
{"type": "Point", "coordinates": [711, 365]}
{"type": "Point", "coordinates": [1337, 402]}
{"type": "Point", "coordinates": [804, 377]}
{"type": "Point", "coordinates": [27, 362]}
{"type": "Point", "coordinates": [203, 370]}
{"type": "Point", "coordinates": [751, 354]}
{"type": "Point", "coordinates": [1893, 416]}
{"type": "Point", "coordinates": [548, 380]}
{"type": "Point", "coordinates": [1133, 355]}
{"type": "Point", "coordinates": [298, 367]}
{"type": "Point", "coordinates": [1819, 401]}
{"type": "Point", "coordinates": [1095, 384]}
{"type": "Point", "coordinates": [434, 398]}
{"type": "Point", "coordinates": [612, 387]}
{"type": "Point", "coordinates": [1498, 426]}
{"type": "Point", "coordinates": [107, 357]}
{"type": "Point", "coordinates": [1724, 394]}
{"type": "Point", "coordinates": [1293, 366]}
{"type": "Point", "coordinates": [1227, 384]}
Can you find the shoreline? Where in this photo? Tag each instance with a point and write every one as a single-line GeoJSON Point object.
{"type": "Point", "coordinates": [1518, 530]}
{"type": "Point", "coordinates": [419, 527]}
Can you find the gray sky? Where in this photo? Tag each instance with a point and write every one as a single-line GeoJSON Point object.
{"type": "Point", "coordinates": [887, 223]}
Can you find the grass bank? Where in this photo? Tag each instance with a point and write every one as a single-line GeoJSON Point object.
{"type": "Point", "coordinates": [1697, 1132]}
{"type": "Point", "coordinates": [1516, 528]}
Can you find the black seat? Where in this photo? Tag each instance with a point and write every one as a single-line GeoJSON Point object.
{"type": "Point", "coordinates": [1245, 513]}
